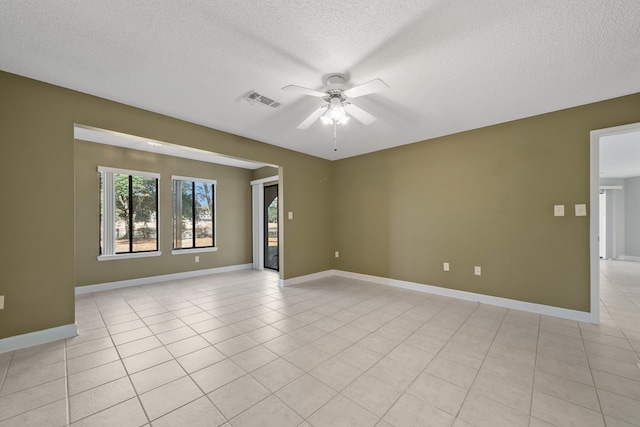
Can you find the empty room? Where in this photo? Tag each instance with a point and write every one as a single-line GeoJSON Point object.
{"type": "Point", "coordinates": [320, 214]}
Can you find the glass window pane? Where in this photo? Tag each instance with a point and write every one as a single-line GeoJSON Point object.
{"type": "Point", "coordinates": [183, 207]}
{"type": "Point", "coordinates": [193, 214]}
{"type": "Point", "coordinates": [177, 213]}
{"type": "Point", "coordinates": [204, 214]}
{"type": "Point", "coordinates": [122, 212]}
{"type": "Point", "coordinates": [144, 206]}
{"type": "Point", "coordinates": [134, 226]}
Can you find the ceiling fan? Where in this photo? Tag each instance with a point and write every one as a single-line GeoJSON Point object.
{"type": "Point", "coordinates": [338, 101]}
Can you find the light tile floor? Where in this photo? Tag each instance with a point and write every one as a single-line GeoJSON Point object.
{"type": "Point", "coordinates": [236, 350]}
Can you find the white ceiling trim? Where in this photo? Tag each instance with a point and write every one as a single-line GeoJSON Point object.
{"type": "Point", "coordinates": [102, 136]}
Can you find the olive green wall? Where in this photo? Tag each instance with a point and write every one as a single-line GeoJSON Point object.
{"type": "Point", "coordinates": [37, 167]}
{"type": "Point", "coordinates": [483, 197]}
{"type": "Point", "coordinates": [36, 186]}
{"type": "Point", "coordinates": [233, 214]}
{"type": "Point", "coordinates": [479, 198]}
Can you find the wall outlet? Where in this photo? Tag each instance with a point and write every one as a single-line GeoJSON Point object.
{"type": "Point", "coordinates": [1, 302]}
{"type": "Point", "coordinates": [290, 215]}
{"type": "Point", "coordinates": [197, 258]}
{"type": "Point", "coordinates": [445, 266]}
{"type": "Point", "coordinates": [558, 210]}
{"type": "Point", "coordinates": [477, 270]}
{"type": "Point", "coordinates": [337, 254]}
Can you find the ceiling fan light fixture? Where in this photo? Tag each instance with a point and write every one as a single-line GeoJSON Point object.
{"type": "Point", "coordinates": [326, 120]}
{"type": "Point", "coordinates": [335, 113]}
{"type": "Point", "coordinates": [336, 109]}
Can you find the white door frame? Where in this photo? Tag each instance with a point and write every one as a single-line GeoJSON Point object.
{"type": "Point", "coordinates": [594, 221]}
{"type": "Point", "coordinates": [257, 200]}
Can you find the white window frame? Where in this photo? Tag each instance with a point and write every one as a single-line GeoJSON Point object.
{"type": "Point", "coordinates": [214, 190]}
{"type": "Point", "coordinates": [109, 214]}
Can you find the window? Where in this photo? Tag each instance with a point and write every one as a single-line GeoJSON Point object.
{"type": "Point", "coordinates": [193, 214]}
{"type": "Point", "coordinates": [128, 213]}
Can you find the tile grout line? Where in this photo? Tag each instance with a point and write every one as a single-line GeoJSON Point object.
{"type": "Point", "coordinates": [615, 321]}
{"type": "Point", "coordinates": [272, 393]}
{"type": "Point", "coordinates": [206, 395]}
{"type": "Point", "coordinates": [475, 378]}
{"type": "Point", "coordinates": [5, 374]}
{"type": "Point", "coordinates": [614, 282]}
{"type": "Point", "coordinates": [592, 377]}
{"type": "Point", "coordinates": [114, 380]}
{"type": "Point", "coordinates": [340, 392]}
{"type": "Point", "coordinates": [424, 369]}
{"type": "Point", "coordinates": [435, 355]}
{"type": "Point", "coordinates": [66, 386]}
{"type": "Point", "coordinates": [65, 360]}
{"type": "Point", "coordinates": [37, 385]}
{"type": "Point", "coordinates": [187, 374]}
{"type": "Point", "coordinates": [535, 370]}
{"type": "Point", "coordinates": [144, 410]}
{"type": "Point", "coordinates": [291, 302]}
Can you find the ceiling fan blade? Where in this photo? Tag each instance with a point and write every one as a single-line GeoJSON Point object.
{"type": "Point", "coordinates": [306, 91]}
{"type": "Point", "coordinates": [373, 86]}
{"type": "Point", "coordinates": [312, 117]}
{"type": "Point", "coordinates": [360, 115]}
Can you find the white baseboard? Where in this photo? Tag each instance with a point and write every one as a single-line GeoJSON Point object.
{"type": "Point", "coordinates": [155, 279]}
{"type": "Point", "coordinates": [546, 310]}
{"type": "Point", "coordinates": [39, 337]}
{"type": "Point", "coordinates": [307, 278]}
{"type": "Point", "coordinates": [629, 258]}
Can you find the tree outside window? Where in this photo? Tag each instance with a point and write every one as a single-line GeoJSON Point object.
{"type": "Point", "coordinates": [128, 212]}
{"type": "Point", "coordinates": [193, 213]}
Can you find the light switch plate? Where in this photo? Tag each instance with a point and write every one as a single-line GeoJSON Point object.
{"type": "Point", "coordinates": [290, 215]}
{"type": "Point", "coordinates": [1, 302]}
{"type": "Point", "coordinates": [477, 270]}
{"type": "Point", "coordinates": [581, 210]}
{"type": "Point", "coordinates": [558, 210]}
{"type": "Point", "coordinates": [446, 266]}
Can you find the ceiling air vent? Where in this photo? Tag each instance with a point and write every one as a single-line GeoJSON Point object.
{"type": "Point", "coordinates": [252, 97]}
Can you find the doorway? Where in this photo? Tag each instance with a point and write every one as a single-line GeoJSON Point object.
{"type": "Point", "coordinates": [271, 231]}
{"type": "Point", "coordinates": [260, 223]}
{"type": "Point", "coordinates": [615, 159]}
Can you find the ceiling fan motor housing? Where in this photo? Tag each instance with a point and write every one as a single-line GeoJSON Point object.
{"type": "Point", "coordinates": [335, 85]}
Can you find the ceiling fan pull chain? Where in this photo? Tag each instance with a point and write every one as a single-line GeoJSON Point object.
{"type": "Point", "coordinates": [335, 143]}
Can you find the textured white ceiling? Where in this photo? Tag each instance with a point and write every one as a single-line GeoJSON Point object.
{"type": "Point", "coordinates": [451, 65]}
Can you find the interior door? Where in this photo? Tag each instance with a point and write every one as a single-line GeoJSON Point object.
{"type": "Point", "coordinates": [271, 227]}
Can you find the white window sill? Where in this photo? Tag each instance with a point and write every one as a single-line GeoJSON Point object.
{"type": "Point", "coordinates": [193, 250]}
{"type": "Point", "coordinates": [127, 256]}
